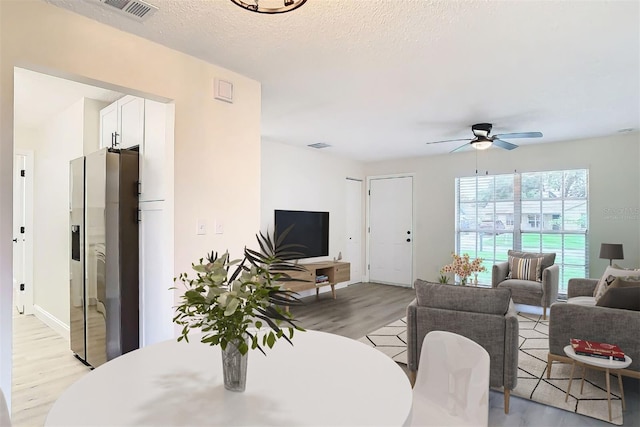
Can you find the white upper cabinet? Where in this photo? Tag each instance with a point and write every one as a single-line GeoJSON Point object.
{"type": "Point", "coordinates": [131, 116]}
{"type": "Point", "coordinates": [122, 123]}
{"type": "Point", "coordinates": [153, 155]}
{"type": "Point", "coordinates": [108, 125]}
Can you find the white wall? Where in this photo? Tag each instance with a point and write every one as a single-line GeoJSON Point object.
{"type": "Point", "coordinates": [217, 144]}
{"type": "Point", "coordinates": [613, 184]}
{"type": "Point", "coordinates": [301, 178]}
{"type": "Point", "coordinates": [59, 140]}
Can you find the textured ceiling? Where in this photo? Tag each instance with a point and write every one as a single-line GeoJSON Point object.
{"type": "Point", "coordinates": [376, 79]}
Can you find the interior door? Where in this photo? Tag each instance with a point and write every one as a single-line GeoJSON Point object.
{"type": "Point", "coordinates": [353, 244]}
{"type": "Point", "coordinates": [19, 232]}
{"type": "Point", "coordinates": [391, 230]}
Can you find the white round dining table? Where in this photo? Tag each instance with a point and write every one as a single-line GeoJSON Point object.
{"type": "Point", "coordinates": [322, 380]}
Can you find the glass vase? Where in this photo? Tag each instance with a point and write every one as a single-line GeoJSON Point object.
{"type": "Point", "coordinates": [463, 281]}
{"type": "Point", "coordinates": [234, 368]}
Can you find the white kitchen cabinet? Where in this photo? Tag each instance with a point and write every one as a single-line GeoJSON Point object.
{"type": "Point", "coordinates": [156, 274]}
{"type": "Point", "coordinates": [154, 164]}
{"type": "Point", "coordinates": [108, 125]}
{"type": "Point", "coordinates": [122, 123]}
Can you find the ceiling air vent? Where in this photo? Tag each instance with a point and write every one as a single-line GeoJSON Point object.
{"type": "Point", "coordinates": [135, 9]}
{"type": "Point", "coordinates": [319, 145]}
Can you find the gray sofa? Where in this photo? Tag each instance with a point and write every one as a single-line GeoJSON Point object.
{"type": "Point", "coordinates": [589, 322]}
{"type": "Point", "coordinates": [541, 294]}
{"type": "Point", "coordinates": [486, 316]}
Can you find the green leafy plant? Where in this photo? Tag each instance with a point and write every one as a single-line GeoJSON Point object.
{"type": "Point", "coordinates": [228, 300]}
{"type": "Point", "coordinates": [444, 279]}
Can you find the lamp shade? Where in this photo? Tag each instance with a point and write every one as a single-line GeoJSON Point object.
{"type": "Point", "coordinates": [611, 251]}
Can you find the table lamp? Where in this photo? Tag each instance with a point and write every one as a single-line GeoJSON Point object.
{"type": "Point", "coordinates": [611, 251]}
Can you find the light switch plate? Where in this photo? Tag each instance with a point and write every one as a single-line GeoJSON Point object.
{"type": "Point", "coordinates": [219, 227]}
{"type": "Point", "coordinates": [201, 227]}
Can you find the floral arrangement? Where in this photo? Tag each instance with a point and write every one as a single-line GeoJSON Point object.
{"type": "Point", "coordinates": [226, 304]}
{"type": "Point", "coordinates": [463, 267]}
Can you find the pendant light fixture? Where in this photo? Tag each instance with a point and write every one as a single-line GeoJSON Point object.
{"type": "Point", "coordinates": [269, 6]}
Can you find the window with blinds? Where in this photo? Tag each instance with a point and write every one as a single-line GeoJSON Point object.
{"type": "Point", "coordinates": [533, 212]}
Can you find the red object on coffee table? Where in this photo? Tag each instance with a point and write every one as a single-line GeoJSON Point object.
{"type": "Point", "coordinates": [597, 349]}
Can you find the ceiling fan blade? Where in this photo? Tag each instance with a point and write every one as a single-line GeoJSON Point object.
{"type": "Point", "coordinates": [520, 135]}
{"type": "Point", "coordinates": [448, 140]}
{"type": "Point", "coordinates": [462, 147]}
{"type": "Point", "coordinates": [504, 144]}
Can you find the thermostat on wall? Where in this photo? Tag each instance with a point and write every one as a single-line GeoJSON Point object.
{"type": "Point", "coordinates": [223, 90]}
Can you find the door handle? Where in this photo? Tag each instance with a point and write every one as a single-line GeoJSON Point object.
{"type": "Point", "coordinates": [15, 240]}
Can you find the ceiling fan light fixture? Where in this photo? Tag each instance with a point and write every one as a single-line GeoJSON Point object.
{"type": "Point", "coordinates": [481, 145]}
{"type": "Point", "coordinates": [269, 6]}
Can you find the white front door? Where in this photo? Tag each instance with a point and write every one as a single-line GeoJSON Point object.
{"type": "Point", "coordinates": [391, 230]}
{"type": "Point", "coordinates": [353, 246]}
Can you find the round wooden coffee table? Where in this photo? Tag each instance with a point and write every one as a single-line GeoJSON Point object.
{"type": "Point", "coordinates": [609, 366]}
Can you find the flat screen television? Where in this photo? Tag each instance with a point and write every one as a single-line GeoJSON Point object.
{"type": "Point", "coordinates": [310, 230]}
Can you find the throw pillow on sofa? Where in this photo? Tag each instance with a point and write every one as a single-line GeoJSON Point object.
{"type": "Point", "coordinates": [625, 282]}
{"type": "Point", "coordinates": [627, 298]}
{"type": "Point", "coordinates": [605, 281]}
{"type": "Point", "coordinates": [526, 268]}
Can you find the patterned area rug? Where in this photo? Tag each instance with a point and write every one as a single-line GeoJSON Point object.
{"type": "Point", "coordinates": [532, 364]}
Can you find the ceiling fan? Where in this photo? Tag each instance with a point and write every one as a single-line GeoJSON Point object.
{"type": "Point", "coordinates": [482, 140]}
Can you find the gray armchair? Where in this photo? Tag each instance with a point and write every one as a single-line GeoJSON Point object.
{"type": "Point", "coordinates": [486, 316]}
{"type": "Point", "coordinates": [530, 292]}
{"type": "Point", "coordinates": [595, 323]}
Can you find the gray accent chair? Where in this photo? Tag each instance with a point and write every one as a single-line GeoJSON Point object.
{"type": "Point", "coordinates": [541, 294]}
{"type": "Point", "coordinates": [486, 316]}
{"type": "Point", "coordinates": [595, 323]}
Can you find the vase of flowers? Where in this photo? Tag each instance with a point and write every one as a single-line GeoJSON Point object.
{"type": "Point", "coordinates": [462, 266]}
{"type": "Point", "coordinates": [229, 301]}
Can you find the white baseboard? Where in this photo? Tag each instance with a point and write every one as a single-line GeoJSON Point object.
{"type": "Point", "coordinates": [51, 321]}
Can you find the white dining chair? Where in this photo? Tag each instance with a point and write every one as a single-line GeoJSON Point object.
{"type": "Point", "coordinates": [452, 384]}
{"type": "Point", "coordinates": [5, 419]}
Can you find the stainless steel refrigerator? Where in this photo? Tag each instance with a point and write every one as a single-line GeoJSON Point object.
{"type": "Point", "coordinates": [104, 255]}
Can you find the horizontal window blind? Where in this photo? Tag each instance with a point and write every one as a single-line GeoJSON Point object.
{"type": "Point", "coordinates": [533, 212]}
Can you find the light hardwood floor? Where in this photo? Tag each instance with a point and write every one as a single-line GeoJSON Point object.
{"type": "Point", "coordinates": [357, 310]}
{"type": "Point", "coordinates": [44, 366]}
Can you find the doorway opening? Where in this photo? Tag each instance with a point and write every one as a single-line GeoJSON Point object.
{"type": "Point", "coordinates": [57, 120]}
